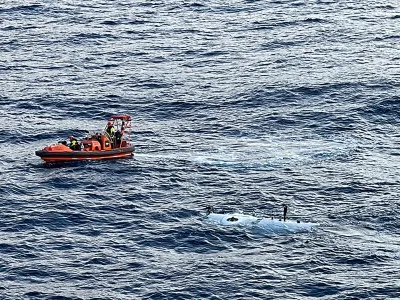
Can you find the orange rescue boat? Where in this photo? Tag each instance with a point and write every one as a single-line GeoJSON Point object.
{"type": "Point", "coordinates": [114, 142]}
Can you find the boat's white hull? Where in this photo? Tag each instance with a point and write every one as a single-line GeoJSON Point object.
{"type": "Point", "coordinates": [268, 224]}
{"type": "Point", "coordinates": [288, 225]}
{"type": "Point", "coordinates": [232, 219]}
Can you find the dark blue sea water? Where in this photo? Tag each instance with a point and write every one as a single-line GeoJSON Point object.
{"type": "Point", "coordinates": [243, 105]}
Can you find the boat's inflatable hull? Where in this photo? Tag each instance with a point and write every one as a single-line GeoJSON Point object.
{"type": "Point", "coordinates": [65, 156]}
{"type": "Point", "coordinates": [285, 225]}
{"type": "Point", "coordinates": [232, 219]}
{"type": "Point", "coordinates": [267, 224]}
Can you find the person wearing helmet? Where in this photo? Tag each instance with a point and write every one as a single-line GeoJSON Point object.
{"type": "Point", "coordinates": [110, 130]}
{"type": "Point", "coordinates": [74, 145]}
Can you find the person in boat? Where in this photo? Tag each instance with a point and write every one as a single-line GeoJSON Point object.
{"type": "Point", "coordinates": [97, 137]}
{"type": "Point", "coordinates": [118, 136]}
{"type": "Point", "coordinates": [74, 145]}
{"type": "Point", "coordinates": [284, 212]}
{"type": "Point", "coordinates": [110, 129]}
{"type": "Point", "coordinates": [209, 209]}
{"type": "Point", "coordinates": [232, 219]}
{"type": "Point", "coordinates": [110, 132]}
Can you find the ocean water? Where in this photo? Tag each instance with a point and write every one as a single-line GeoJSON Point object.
{"type": "Point", "coordinates": [242, 105]}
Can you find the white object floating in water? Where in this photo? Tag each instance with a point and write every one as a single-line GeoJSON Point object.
{"type": "Point", "coordinates": [268, 224]}
{"type": "Point", "coordinates": [232, 219]}
{"type": "Point", "coordinates": [286, 225]}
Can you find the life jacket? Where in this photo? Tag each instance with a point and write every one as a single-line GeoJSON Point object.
{"type": "Point", "coordinates": [111, 130]}
{"type": "Point", "coordinates": [74, 144]}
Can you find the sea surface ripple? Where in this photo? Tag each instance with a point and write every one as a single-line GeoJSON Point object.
{"type": "Point", "coordinates": [244, 105]}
